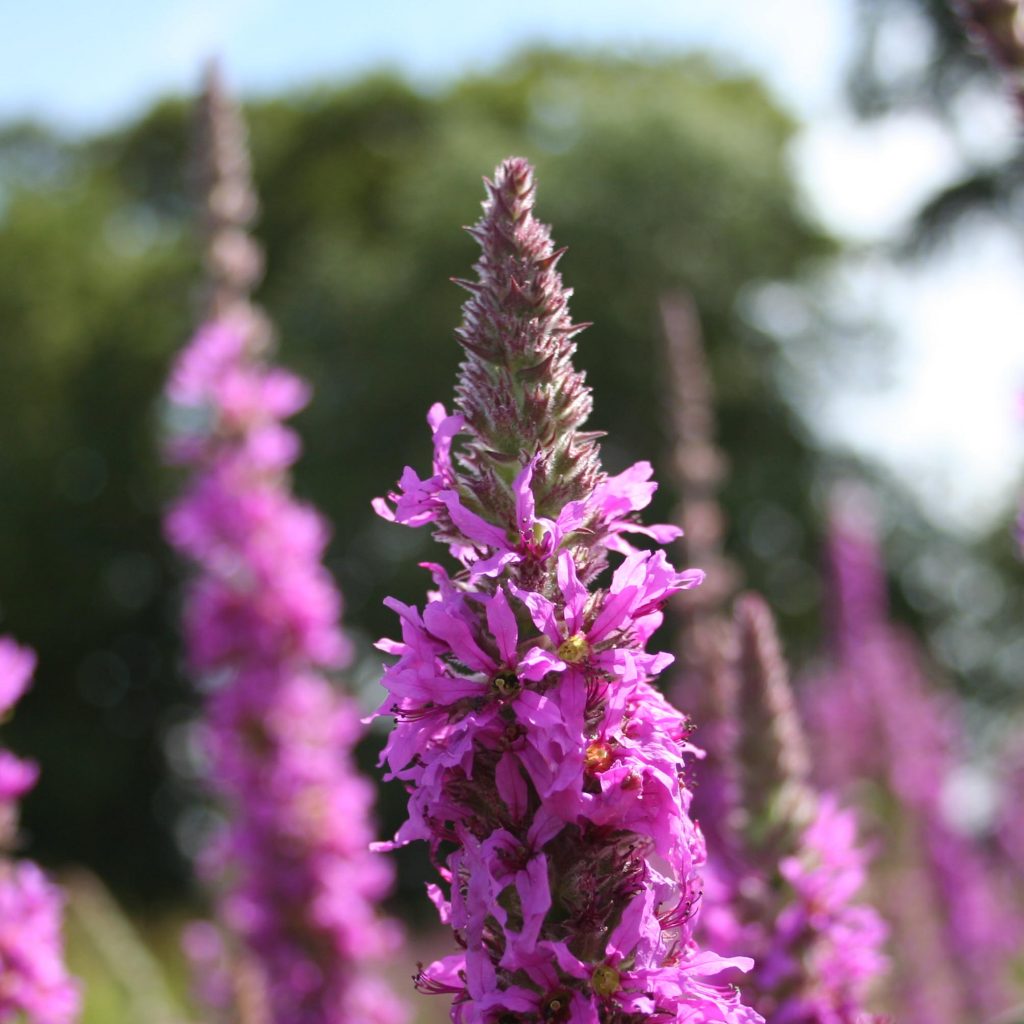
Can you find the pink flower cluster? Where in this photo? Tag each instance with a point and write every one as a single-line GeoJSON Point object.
{"type": "Point", "coordinates": [788, 872]}
{"type": "Point", "coordinates": [34, 983]}
{"type": "Point", "coordinates": [545, 772]}
{"type": "Point", "coordinates": [886, 733]}
{"type": "Point", "coordinates": [261, 625]}
{"type": "Point", "coordinates": [816, 950]}
{"type": "Point", "coordinates": [827, 874]}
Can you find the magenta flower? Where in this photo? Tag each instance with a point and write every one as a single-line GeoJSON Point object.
{"type": "Point", "coordinates": [34, 983]}
{"type": "Point", "coordinates": [299, 886]}
{"type": "Point", "coordinates": [261, 625]}
{"type": "Point", "coordinates": [17, 776]}
{"type": "Point", "coordinates": [787, 870]}
{"type": "Point", "coordinates": [784, 869]}
{"type": "Point", "coordinates": [885, 732]}
{"type": "Point", "coordinates": [612, 503]}
{"type": "Point", "coordinates": [544, 771]}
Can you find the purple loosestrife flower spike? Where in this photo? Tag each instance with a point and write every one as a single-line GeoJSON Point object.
{"type": "Point", "coordinates": [883, 732]}
{"type": "Point", "coordinates": [299, 884]}
{"type": "Point", "coordinates": [858, 600]}
{"type": "Point", "coordinates": [771, 749]}
{"type": "Point", "coordinates": [35, 987]}
{"type": "Point", "coordinates": [232, 259]}
{"type": "Point", "coordinates": [705, 646]}
{"type": "Point", "coordinates": [700, 467]}
{"type": "Point", "coordinates": [544, 771]}
{"type": "Point", "coordinates": [775, 846]}
{"type": "Point", "coordinates": [791, 870]}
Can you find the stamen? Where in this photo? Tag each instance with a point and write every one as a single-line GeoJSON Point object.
{"type": "Point", "coordinates": [605, 980]}
{"type": "Point", "coordinates": [574, 649]}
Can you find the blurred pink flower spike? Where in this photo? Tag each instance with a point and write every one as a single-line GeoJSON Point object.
{"type": "Point", "coordinates": [300, 887]}
{"type": "Point", "coordinates": [886, 733]}
{"type": "Point", "coordinates": [35, 986]}
{"type": "Point", "coordinates": [786, 886]}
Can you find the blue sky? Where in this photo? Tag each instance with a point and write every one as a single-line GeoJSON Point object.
{"type": "Point", "coordinates": [86, 64]}
{"type": "Point", "coordinates": [946, 421]}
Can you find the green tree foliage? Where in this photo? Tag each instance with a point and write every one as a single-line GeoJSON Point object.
{"type": "Point", "coordinates": [656, 174]}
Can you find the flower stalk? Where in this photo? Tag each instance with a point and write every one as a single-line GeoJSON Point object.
{"type": "Point", "coordinates": [886, 734]}
{"type": "Point", "coordinates": [298, 884]}
{"type": "Point", "coordinates": [783, 862]}
{"type": "Point", "coordinates": [705, 677]}
{"type": "Point", "coordinates": [792, 869]}
{"type": "Point", "coordinates": [545, 772]}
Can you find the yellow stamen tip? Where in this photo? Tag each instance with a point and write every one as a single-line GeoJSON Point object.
{"type": "Point", "coordinates": [574, 649]}
{"type": "Point", "coordinates": [605, 980]}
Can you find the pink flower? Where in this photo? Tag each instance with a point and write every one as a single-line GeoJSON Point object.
{"type": "Point", "coordinates": [882, 727]}
{"type": "Point", "coordinates": [298, 886]}
{"type": "Point", "coordinates": [789, 872]}
{"type": "Point", "coordinates": [545, 772]}
{"type": "Point", "coordinates": [34, 983]}
{"type": "Point", "coordinates": [261, 620]}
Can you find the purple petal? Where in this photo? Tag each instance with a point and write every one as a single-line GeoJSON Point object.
{"type": "Point", "coordinates": [572, 516]}
{"type": "Point", "coordinates": [573, 591]}
{"type": "Point", "coordinates": [492, 566]}
{"type": "Point", "coordinates": [472, 525]}
{"type": "Point", "coordinates": [628, 932]}
{"type": "Point", "coordinates": [381, 507]}
{"type": "Point", "coordinates": [537, 663]}
{"type": "Point", "coordinates": [457, 634]}
{"type": "Point", "coordinates": [525, 506]}
{"type": "Point", "coordinates": [502, 623]}
{"type": "Point", "coordinates": [534, 897]}
{"type": "Point", "coordinates": [542, 611]}
{"type": "Point", "coordinates": [707, 962]}
{"type": "Point", "coordinates": [663, 533]}
{"type": "Point", "coordinates": [544, 828]}
{"type": "Point", "coordinates": [628, 492]}
{"type": "Point", "coordinates": [511, 785]}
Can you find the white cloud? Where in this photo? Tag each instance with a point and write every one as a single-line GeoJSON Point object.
{"type": "Point", "coordinates": [865, 180]}
{"type": "Point", "coordinates": [948, 420]}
